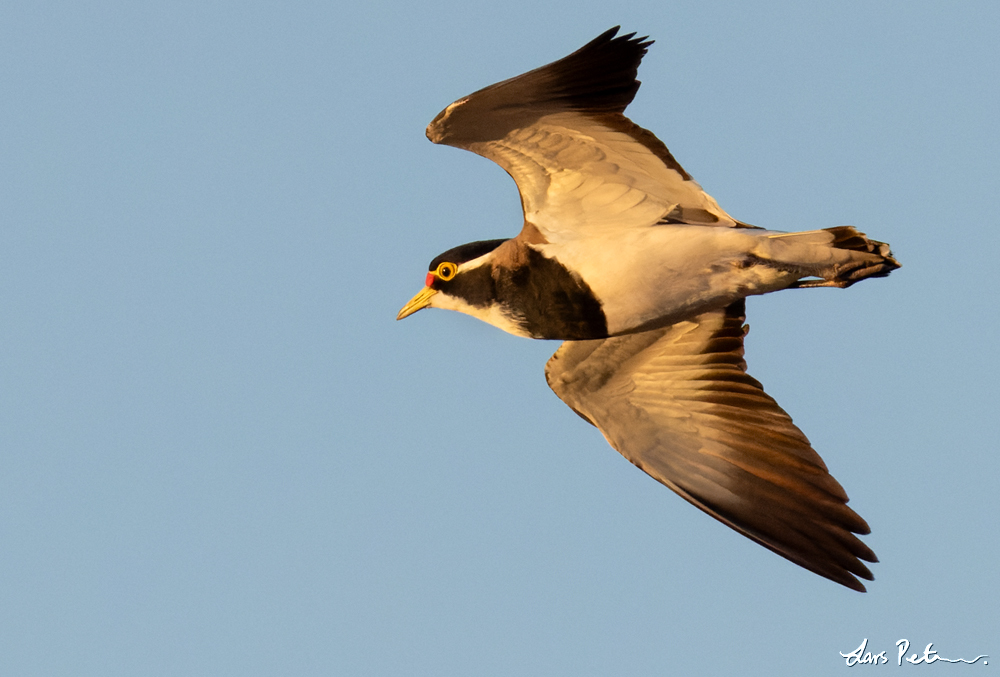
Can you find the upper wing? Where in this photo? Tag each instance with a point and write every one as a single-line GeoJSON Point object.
{"type": "Point", "coordinates": [578, 162]}
{"type": "Point", "coordinates": [678, 403]}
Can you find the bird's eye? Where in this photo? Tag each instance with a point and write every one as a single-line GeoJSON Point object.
{"type": "Point", "coordinates": [446, 271]}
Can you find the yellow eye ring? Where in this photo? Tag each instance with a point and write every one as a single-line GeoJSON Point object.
{"type": "Point", "coordinates": [445, 271]}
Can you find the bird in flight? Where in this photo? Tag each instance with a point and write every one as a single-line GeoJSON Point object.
{"type": "Point", "coordinates": [644, 277]}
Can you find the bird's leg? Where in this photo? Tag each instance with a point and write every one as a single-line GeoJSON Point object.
{"type": "Point", "coordinates": [815, 282]}
{"type": "Point", "coordinates": [844, 277]}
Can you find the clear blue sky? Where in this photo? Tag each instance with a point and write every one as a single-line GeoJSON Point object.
{"type": "Point", "coordinates": [220, 454]}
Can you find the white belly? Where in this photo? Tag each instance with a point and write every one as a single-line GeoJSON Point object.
{"type": "Point", "coordinates": [664, 274]}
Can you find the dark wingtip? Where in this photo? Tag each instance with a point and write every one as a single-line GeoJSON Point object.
{"type": "Point", "coordinates": [598, 78]}
{"type": "Point", "coordinates": [609, 37]}
{"type": "Point", "coordinates": [601, 75]}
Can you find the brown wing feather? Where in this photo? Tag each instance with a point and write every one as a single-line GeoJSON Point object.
{"type": "Point", "coordinates": [597, 78]}
{"type": "Point", "coordinates": [578, 162]}
{"type": "Point", "coordinates": [678, 403]}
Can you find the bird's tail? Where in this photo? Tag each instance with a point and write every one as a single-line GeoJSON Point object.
{"type": "Point", "coordinates": [833, 257]}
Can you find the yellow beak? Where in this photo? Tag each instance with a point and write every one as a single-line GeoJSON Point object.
{"type": "Point", "coordinates": [418, 302]}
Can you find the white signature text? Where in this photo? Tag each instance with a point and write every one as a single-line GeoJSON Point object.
{"type": "Point", "coordinates": [861, 656]}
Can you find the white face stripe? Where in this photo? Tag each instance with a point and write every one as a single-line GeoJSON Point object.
{"type": "Point", "coordinates": [490, 314]}
{"type": "Point", "coordinates": [476, 262]}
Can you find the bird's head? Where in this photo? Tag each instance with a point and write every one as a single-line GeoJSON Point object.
{"type": "Point", "coordinates": [459, 279]}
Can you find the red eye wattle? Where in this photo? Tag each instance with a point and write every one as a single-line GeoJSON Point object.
{"type": "Point", "coordinates": [429, 280]}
